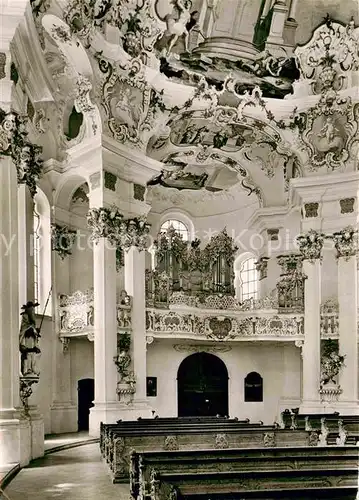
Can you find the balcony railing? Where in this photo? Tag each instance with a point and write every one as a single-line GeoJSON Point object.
{"type": "Point", "coordinates": [76, 314]}
{"type": "Point", "coordinates": [214, 317]}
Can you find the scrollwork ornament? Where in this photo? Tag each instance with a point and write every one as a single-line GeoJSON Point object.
{"type": "Point", "coordinates": [25, 155]}
{"type": "Point", "coordinates": [346, 242]}
{"type": "Point", "coordinates": [135, 233]}
{"type": "Point", "coordinates": [105, 223]}
{"type": "Point", "coordinates": [311, 244]}
{"type": "Point", "coordinates": [62, 240]}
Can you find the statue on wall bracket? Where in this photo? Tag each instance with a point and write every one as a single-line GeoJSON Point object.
{"type": "Point", "coordinates": [29, 341]}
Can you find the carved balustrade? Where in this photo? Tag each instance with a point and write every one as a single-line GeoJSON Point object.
{"type": "Point", "coordinates": [76, 314]}
{"type": "Point", "coordinates": [230, 325]}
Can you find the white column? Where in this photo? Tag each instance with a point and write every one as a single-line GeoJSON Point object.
{"type": "Point", "coordinates": [135, 287]}
{"type": "Point", "coordinates": [348, 320]}
{"type": "Point", "coordinates": [105, 338]}
{"type": "Point", "coordinates": [63, 409]}
{"type": "Point", "coordinates": [275, 38]}
{"type": "Point", "coordinates": [293, 9]}
{"type": "Point", "coordinates": [311, 347]}
{"type": "Point", "coordinates": [345, 243]}
{"type": "Point", "coordinates": [310, 245]}
{"type": "Point", "coordinates": [14, 432]}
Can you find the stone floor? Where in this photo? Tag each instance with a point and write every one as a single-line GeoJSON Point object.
{"type": "Point", "coordinates": [69, 439]}
{"type": "Point", "coordinates": [73, 474]}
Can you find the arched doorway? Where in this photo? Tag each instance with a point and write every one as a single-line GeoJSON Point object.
{"type": "Point", "coordinates": [202, 383]}
{"type": "Point", "coordinates": [85, 396]}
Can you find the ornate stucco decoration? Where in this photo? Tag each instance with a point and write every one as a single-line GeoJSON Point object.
{"type": "Point", "coordinates": [218, 328]}
{"type": "Point", "coordinates": [329, 319]}
{"type": "Point", "coordinates": [62, 240]}
{"type": "Point", "coordinates": [346, 242]}
{"type": "Point", "coordinates": [290, 263]}
{"type": "Point", "coordinates": [136, 22]}
{"type": "Point", "coordinates": [123, 233]}
{"type": "Point", "coordinates": [329, 56]}
{"type": "Point", "coordinates": [173, 323]}
{"type": "Point", "coordinates": [130, 104]}
{"type": "Point", "coordinates": [76, 312]}
{"type": "Point", "coordinates": [311, 210]}
{"type": "Point", "coordinates": [201, 348]}
{"type": "Point", "coordinates": [135, 233]}
{"type": "Point", "coordinates": [110, 180]}
{"type": "Point", "coordinates": [311, 244]}
{"type": "Point", "coordinates": [331, 362]}
{"type": "Point", "coordinates": [347, 205]}
{"type": "Point", "coordinates": [14, 143]}
{"type": "Point", "coordinates": [139, 192]}
{"type": "Point", "coordinates": [124, 316]}
{"type": "Point", "coordinates": [224, 302]}
{"type": "Point", "coordinates": [26, 391]}
{"type": "Point", "coordinates": [329, 131]}
{"type": "Point", "coordinates": [262, 267]}
{"type": "Point", "coordinates": [123, 358]}
{"type": "Point", "coordinates": [105, 223]}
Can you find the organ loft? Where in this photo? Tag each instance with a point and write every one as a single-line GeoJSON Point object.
{"type": "Point", "coordinates": [179, 245]}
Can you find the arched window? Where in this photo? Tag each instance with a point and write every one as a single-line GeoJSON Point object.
{"type": "Point", "coordinates": [36, 249]}
{"type": "Point", "coordinates": [248, 276]}
{"type": "Point", "coordinates": [253, 388]}
{"type": "Point", "coordinates": [42, 251]}
{"type": "Point", "coordinates": [178, 226]}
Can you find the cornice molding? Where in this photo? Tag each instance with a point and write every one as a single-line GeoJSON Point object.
{"type": "Point", "coordinates": [324, 188]}
{"type": "Point", "coordinates": [268, 217]}
{"type": "Point", "coordinates": [131, 166]}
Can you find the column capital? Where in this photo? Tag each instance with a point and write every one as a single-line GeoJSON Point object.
{"type": "Point", "coordinates": [311, 244]}
{"type": "Point", "coordinates": [105, 223]}
{"type": "Point", "coordinates": [24, 154]}
{"type": "Point", "coordinates": [135, 233]}
{"type": "Point", "coordinates": [124, 233]}
{"type": "Point", "coordinates": [346, 242]}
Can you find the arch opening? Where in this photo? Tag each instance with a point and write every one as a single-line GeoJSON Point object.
{"type": "Point", "coordinates": [202, 383]}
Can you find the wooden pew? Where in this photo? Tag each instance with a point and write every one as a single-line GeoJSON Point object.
{"type": "Point", "coordinates": [170, 474]}
{"type": "Point", "coordinates": [122, 444]}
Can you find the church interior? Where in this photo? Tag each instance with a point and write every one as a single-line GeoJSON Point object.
{"type": "Point", "coordinates": [179, 210]}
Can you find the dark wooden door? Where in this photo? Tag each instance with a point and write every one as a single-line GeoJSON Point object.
{"type": "Point", "coordinates": [202, 386]}
{"type": "Point", "coordinates": [86, 395]}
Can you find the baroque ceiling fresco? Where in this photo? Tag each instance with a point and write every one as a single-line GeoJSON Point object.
{"type": "Point", "coordinates": [239, 115]}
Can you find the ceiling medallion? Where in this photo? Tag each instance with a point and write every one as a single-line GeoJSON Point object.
{"type": "Point", "coordinates": [330, 130]}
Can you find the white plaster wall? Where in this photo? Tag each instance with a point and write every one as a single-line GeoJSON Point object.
{"type": "Point", "coordinates": [81, 266]}
{"type": "Point", "coordinates": [81, 351]}
{"type": "Point", "coordinates": [278, 364]}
